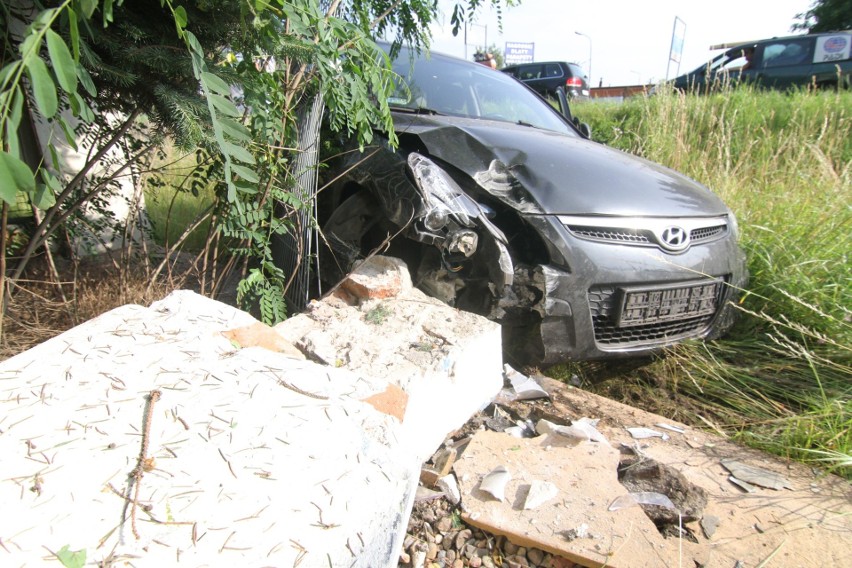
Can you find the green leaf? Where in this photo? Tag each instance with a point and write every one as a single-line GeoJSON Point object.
{"type": "Point", "coordinates": [44, 90]}
{"type": "Point", "coordinates": [71, 558]}
{"type": "Point", "coordinates": [86, 80]}
{"type": "Point", "coordinates": [15, 176]}
{"type": "Point", "coordinates": [245, 187]}
{"type": "Point", "coordinates": [107, 11]}
{"type": "Point", "coordinates": [80, 108]}
{"type": "Point", "coordinates": [247, 174]}
{"type": "Point", "coordinates": [224, 106]}
{"type": "Point", "coordinates": [7, 72]}
{"type": "Point", "coordinates": [74, 32]}
{"type": "Point", "coordinates": [180, 17]}
{"type": "Point", "coordinates": [238, 152]}
{"type": "Point", "coordinates": [44, 196]}
{"type": "Point", "coordinates": [63, 63]}
{"type": "Point", "coordinates": [70, 137]}
{"type": "Point", "coordinates": [215, 83]}
{"type": "Point", "coordinates": [55, 158]}
{"type": "Point", "coordinates": [234, 129]}
{"type": "Point", "coordinates": [16, 107]}
{"type": "Point", "coordinates": [88, 7]}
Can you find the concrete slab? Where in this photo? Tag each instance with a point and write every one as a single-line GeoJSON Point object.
{"type": "Point", "coordinates": [807, 522]}
{"type": "Point", "coordinates": [147, 436]}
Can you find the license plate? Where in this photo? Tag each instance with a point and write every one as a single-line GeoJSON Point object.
{"type": "Point", "coordinates": [643, 306]}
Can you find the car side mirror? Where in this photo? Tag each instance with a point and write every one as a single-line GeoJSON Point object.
{"type": "Point", "coordinates": [584, 128]}
{"type": "Point", "coordinates": [563, 103]}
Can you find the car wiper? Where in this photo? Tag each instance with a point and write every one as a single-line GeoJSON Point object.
{"type": "Point", "coordinates": [522, 123]}
{"type": "Point", "coordinates": [418, 110]}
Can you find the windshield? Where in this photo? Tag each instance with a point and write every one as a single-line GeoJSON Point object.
{"type": "Point", "coordinates": [449, 86]}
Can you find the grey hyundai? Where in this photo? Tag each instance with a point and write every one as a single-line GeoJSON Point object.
{"type": "Point", "coordinates": [500, 205]}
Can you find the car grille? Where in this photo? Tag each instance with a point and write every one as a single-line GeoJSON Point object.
{"type": "Point", "coordinates": [604, 305]}
{"type": "Point", "coordinates": [648, 232]}
{"type": "Point", "coordinates": [708, 233]}
{"type": "Point", "coordinates": [611, 235]}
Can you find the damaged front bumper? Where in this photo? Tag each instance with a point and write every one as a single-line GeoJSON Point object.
{"type": "Point", "coordinates": [576, 309]}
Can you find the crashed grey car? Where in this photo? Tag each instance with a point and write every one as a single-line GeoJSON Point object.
{"type": "Point", "coordinates": [500, 206]}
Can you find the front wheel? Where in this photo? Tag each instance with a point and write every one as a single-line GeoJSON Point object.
{"type": "Point", "coordinates": [343, 239]}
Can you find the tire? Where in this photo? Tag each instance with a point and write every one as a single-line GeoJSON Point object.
{"type": "Point", "coordinates": [343, 240]}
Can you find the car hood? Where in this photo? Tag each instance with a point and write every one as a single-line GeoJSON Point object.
{"type": "Point", "coordinates": [554, 173]}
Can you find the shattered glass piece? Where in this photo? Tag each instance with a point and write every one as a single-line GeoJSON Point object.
{"type": "Point", "coordinates": [540, 493]}
{"type": "Point", "coordinates": [515, 431]}
{"type": "Point", "coordinates": [747, 487]}
{"type": "Point", "coordinates": [641, 498]}
{"type": "Point", "coordinates": [642, 433]}
{"type": "Point", "coordinates": [652, 498]}
{"type": "Point", "coordinates": [561, 435]}
{"type": "Point", "coordinates": [756, 475]}
{"type": "Point", "coordinates": [622, 502]}
{"type": "Point", "coordinates": [450, 488]}
{"type": "Point", "coordinates": [494, 483]}
{"type": "Point", "coordinates": [525, 388]}
{"type": "Point", "coordinates": [589, 426]}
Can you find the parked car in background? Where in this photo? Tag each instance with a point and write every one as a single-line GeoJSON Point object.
{"type": "Point", "coordinates": [820, 60]}
{"type": "Point", "coordinates": [546, 76]}
{"type": "Point", "coordinates": [500, 206]}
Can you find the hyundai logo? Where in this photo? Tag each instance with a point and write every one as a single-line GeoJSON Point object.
{"type": "Point", "coordinates": [674, 238]}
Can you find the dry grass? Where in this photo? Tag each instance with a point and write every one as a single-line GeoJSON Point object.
{"type": "Point", "coordinates": [40, 308]}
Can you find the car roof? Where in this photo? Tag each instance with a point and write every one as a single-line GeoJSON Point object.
{"type": "Point", "coordinates": [741, 44]}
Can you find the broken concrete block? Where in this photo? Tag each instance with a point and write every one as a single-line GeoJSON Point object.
{"type": "Point", "coordinates": [253, 458]}
{"type": "Point", "coordinates": [644, 475]}
{"type": "Point", "coordinates": [378, 277]}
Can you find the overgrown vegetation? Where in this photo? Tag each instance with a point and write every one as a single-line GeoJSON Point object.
{"type": "Point", "coordinates": [111, 81]}
{"type": "Point", "coordinates": [783, 163]}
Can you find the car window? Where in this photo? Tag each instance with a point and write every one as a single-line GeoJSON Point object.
{"type": "Point", "coordinates": [459, 88]}
{"type": "Point", "coordinates": [789, 52]}
{"type": "Point", "coordinates": [553, 70]}
{"type": "Point", "coordinates": [530, 72]}
{"type": "Point", "coordinates": [576, 70]}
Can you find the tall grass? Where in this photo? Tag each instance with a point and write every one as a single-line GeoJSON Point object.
{"type": "Point", "coordinates": [783, 163]}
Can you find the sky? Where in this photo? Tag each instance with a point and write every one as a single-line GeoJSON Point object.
{"type": "Point", "coordinates": [629, 40]}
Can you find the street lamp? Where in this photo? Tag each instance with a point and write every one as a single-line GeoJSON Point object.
{"type": "Point", "coordinates": [590, 54]}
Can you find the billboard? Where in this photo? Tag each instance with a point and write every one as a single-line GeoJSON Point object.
{"type": "Point", "coordinates": [519, 52]}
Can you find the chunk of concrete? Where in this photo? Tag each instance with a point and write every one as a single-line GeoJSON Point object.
{"type": "Point", "coordinates": [245, 456]}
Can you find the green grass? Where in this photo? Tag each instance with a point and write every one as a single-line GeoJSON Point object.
{"type": "Point", "coordinates": [783, 163]}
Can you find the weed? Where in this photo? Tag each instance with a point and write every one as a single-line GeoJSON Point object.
{"type": "Point", "coordinates": [71, 558]}
{"type": "Point", "coordinates": [378, 315]}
